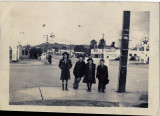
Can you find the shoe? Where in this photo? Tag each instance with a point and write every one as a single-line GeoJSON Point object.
{"type": "Point", "coordinates": [99, 91]}
{"type": "Point", "coordinates": [63, 87]}
{"type": "Point", "coordinates": [89, 90]}
{"type": "Point", "coordinates": [66, 87]}
{"type": "Point", "coordinates": [103, 91]}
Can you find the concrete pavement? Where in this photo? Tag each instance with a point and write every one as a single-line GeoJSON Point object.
{"type": "Point", "coordinates": [50, 94]}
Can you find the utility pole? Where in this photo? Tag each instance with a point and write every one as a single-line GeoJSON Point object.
{"type": "Point", "coordinates": [70, 49]}
{"type": "Point", "coordinates": [124, 52]}
{"type": "Point", "coordinates": [46, 42]}
{"type": "Point", "coordinates": [103, 46]}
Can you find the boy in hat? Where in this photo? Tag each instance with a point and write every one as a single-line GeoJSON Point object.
{"type": "Point", "coordinates": [78, 71]}
{"type": "Point", "coordinates": [65, 65]}
{"type": "Point", "coordinates": [89, 77]}
{"type": "Point", "coordinates": [102, 75]}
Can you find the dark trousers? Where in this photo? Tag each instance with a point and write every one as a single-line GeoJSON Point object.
{"type": "Point", "coordinates": [101, 85]}
{"type": "Point", "coordinates": [76, 82]}
{"type": "Point", "coordinates": [89, 84]}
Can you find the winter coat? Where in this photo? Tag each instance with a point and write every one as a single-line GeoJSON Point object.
{"type": "Point", "coordinates": [102, 74]}
{"type": "Point", "coordinates": [87, 75]}
{"type": "Point", "coordinates": [79, 69]}
{"type": "Point", "coordinates": [65, 72]}
{"type": "Point", "coordinates": [50, 58]}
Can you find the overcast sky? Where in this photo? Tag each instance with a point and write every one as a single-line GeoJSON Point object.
{"type": "Point", "coordinates": [75, 23]}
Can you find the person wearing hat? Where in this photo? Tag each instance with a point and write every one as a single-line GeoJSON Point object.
{"type": "Point", "coordinates": [65, 65]}
{"type": "Point", "coordinates": [89, 76]}
{"type": "Point", "coordinates": [102, 75]}
{"type": "Point", "coordinates": [78, 71]}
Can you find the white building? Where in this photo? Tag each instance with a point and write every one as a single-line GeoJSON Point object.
{"type": "Point", "coordinates": [15, 50]}
{"type": "Point", "coordinates": [112, 53]}
{"type": "Point", "coordinates": [142, 56]}
{"type": "Point", "coordinates": [76, 54]}
{"type": "Point", "coordinates": [107, 53]}
{"type": "Point", "coordinates": [25, 53]}
{"type": "Point", "coordinates": [61, 51]}
{"type": "Point", "coordinates": [52, 51]}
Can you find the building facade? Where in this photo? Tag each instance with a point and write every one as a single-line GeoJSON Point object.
{"type": "Point", "coordinates": [141, 55]}
{"type": "Point", "coordinates": [61, 51]}
{"type": "Point", "coordinates": [15, 53]}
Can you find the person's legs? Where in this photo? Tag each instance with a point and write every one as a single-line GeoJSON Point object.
{"type": "Point", "coordinates": [67, 85]}
{"type": "Point", "coordinates": [99, 86]}
{"type": "Point", "coordinates": [78, 80]}
{"type": "Point", "coordinates": [62, 84]}
{"type": "Point", "coordinates": [74, 84]}
{"type": "Point", "coordinates": [103, 87]}
{"type": "Point", "coordinates": [88, 86]}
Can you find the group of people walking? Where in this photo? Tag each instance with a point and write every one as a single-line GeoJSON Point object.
{"type": "Point", "coordinates": [88, 71]}
{"type": "Point", "coordinates": [46, 58]}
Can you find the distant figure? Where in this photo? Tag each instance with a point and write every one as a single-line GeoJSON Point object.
{"type": "Point", "coordinates": [50, 58]}
{"type": "Point", "coordinates": [102, 75]}
{"type": "Point", "coordinates": [78, 71]}
{"type": "Point", "coordinates": [65, 65]}
{"type": "Point", "coordinates": [89, 77]}
{"type": "Point", "coordinates": [46, 58]}
{"type": "Point", "coordinates": [43, 58]}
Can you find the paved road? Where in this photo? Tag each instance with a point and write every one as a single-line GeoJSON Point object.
{"type": "Point", "coordinates": [30, 74]}
{"type": "Point", "coordinates": [33, 73]}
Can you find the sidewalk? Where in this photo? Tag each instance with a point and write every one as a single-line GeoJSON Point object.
{"type": "Point", "coordinates": [55, 96]}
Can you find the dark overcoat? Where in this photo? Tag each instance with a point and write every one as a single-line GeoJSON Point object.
{"type": "Point", "coordinates": [86, 80]}
{"type": "Point", "coordinates": [79, 69]}
{"type": "Point", "coordinates": [102, 74]}
{"type": "Point", "coordinates": [65, 69]}
{"type": "Point", "coordinates": [50, 58]}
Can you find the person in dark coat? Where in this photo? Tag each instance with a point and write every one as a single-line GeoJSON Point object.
{"type": "Point", "coordinates": [65, 65]}
{"type": "Point", "coordinates": [50, 58]}
{"type": "Point", "coordinates": [78, 71]}
{"type": "Point", "coordinates": [89, 77]}
{"type": "Point", "coordinates": [102, 75]}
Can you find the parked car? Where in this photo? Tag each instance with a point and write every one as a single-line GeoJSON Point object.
{"type": "Point", "coordinates": [117, 59]}
{"type": "Point", "coordinates": [133, 58]}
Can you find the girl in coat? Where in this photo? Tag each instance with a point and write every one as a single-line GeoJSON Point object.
{"type": "Point", "coordinates": [89, 77]}
{"type": "Point", "coordinates": [78, 71]}
{"type": "Point", "coordinates": [65, 65]}
{"type": "Point", "coordinates": [102, 75]}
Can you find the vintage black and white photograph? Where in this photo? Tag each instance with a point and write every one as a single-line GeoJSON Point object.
{"type": "Point", "coordinates": [85, 54]}
{"type": "Point", "coordinates": [76, 57]}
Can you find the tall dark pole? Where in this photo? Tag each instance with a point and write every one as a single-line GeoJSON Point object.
{"type": "Point", "coordinates": [46, 43]}
{"type": "Point", "coordinates": [70, 49]}
{"type": "Point", "coordinates": [103, 46]}
{"type": "Point", "coordinates": [124, 52]}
